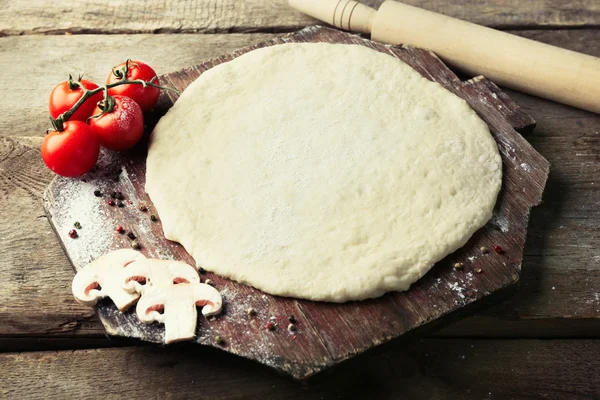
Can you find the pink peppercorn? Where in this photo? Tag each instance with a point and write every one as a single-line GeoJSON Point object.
{"type": "Point", "coordinates": [498, 249]}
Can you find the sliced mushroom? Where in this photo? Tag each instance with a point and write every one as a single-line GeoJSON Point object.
{"type": "Point", "coordinates": [175, 306]}
{"type": "Point", "coordinates": [100, 279]}
{"type": "Point", "coordinates": [140, 276]}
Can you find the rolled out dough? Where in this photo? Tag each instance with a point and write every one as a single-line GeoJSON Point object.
{"type": "Point", "coordinates": [321, 171]}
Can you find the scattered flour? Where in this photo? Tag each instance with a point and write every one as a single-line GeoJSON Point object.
{"type": "Point", "coordinates": [526, 167]}
{"type": "Point", "coordinates": [501, 222]}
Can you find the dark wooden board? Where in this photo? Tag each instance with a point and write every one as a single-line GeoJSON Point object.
{"type": "Point", "coordinates": [328, 333]}
{"type": "Point", "coordinates": [455, 369]}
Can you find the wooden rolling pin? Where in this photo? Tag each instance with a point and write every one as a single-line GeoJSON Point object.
{"type": "Point", "coordinates": [522, 64]}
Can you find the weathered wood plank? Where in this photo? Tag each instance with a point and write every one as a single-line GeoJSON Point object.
{"type": "Point", "coordinates": [214, 16]}
{"type": "Point", "coordinates": [562, 250]}
{"type": "Point", "coordinates": [43, 61]}
{"type": "Point", "coordinates": [430, 369]}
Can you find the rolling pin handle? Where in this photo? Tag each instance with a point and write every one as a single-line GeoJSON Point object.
{"type": "Point", "coordinates": [348, 15]}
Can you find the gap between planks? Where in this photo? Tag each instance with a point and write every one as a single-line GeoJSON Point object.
{"type": "Point", "coordinates": [254, 30]}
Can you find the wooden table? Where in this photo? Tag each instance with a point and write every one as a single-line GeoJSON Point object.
{"type": "Point", "coordinates": [542, 343]}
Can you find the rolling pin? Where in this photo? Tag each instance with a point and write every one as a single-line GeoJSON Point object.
{"type": "Point", "coordinates": [522, 64]}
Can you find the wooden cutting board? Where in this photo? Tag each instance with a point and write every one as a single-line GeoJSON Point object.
{"type": "Point", "coordinates": [327, 333]}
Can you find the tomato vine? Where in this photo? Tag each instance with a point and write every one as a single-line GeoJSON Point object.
{"type": "Point", "coordinates": [108, 105]}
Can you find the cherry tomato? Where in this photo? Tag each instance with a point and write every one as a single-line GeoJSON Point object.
{"type": "Point", "coordinates": [147, 96]}
{"type": "Point", "coordinates": [63, 97]}
{"type": "Point", "coordinates": [121, 128]}
{"type": "Point", "coordinates": [72, 152]}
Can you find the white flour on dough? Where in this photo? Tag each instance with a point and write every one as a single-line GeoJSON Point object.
{"type": "Point", "coordinates": [321, 171]}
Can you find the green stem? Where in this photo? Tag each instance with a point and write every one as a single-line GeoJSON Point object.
{"type": "Point", "coordinates": [64, 117]}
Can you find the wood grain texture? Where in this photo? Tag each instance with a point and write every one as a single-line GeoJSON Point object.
{"type": "Point", "coordinates": [429, 369]}
{"type": "Point", "coordinates": [328, 333]}
{"type": "Point", "coordinates": [561, 251]}
{"type": "Point", "coordinates": [48, 60]}
{"type": "Point", "coordinates": [218, 16]}
{"type": "Point", "coordinates": [34, 54]}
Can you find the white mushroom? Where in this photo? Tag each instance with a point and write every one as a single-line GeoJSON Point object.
{"type": "Point", "coordinates": [149, 273]}
{"type": "Point", "coordinates": [175, 306]}
{"type": "Point", "coordinates": [100, 279]}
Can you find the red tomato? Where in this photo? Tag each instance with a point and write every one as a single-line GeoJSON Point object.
{"type": "Point", "coordinates": [63, 98]}
{"type": "Point", "coordinates": [121, 128]}
{"type": "Point", "coordinates": [147, 96]}
{"type": "Point", "coordinates": [72, 152]}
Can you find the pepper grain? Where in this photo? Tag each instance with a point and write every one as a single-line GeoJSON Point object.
{"type": "Point", "coordinates": [458, 265]}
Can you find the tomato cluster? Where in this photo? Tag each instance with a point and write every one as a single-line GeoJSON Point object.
{"type": "Point", "coordinates": [113, 120]}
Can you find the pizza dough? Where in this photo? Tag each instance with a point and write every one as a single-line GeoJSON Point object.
{"type": "Point", "coordinates": [321, 171]}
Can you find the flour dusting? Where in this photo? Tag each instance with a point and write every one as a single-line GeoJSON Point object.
{"type": "Point", "coordinates": [501, 222]}
{"type": "Point", "coordinates": [526, 167]}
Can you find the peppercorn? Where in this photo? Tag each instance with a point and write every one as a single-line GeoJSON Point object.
{"type": "Point", "coordinates": [292, 319]}
{"type": "Point", "coordinates": [131, 235]}
{"type": "Point", "coordinates": [143, 207]}
{"type": "Point", "coordinates": [97, 193]}
{"type": "Point", "coordinates": [270, 326]}
{"type": "Point", "coordinates": [136, 245]}
{"type": "Point", "coordinates": [201, 270]}
{"type": "Point", "coordinates": [120, 229]}
{"type": "Point", "coordinates": [209, 282]}
{"type": "Point", "coordinates": [77, 225]}
{"type": "Point", "coordinates": [458, 265]}
{"type": "Point", "coordinates": [111, 202]}
{"type": "Point", "coordinates": [113, 195]}
{"type": "Point", "coordinates": [484, 250]}
{"type": "Point", "coordinates": [120, 196]}
{"type": "Point", "coordinates": [120, 204]}
{"type": "Point", "coordinates": [478, 270]}
{"type": "Point", "coordinates": [498, 249]}
{"type": "Point", "coordinates": [251, 312]}
{"type": "Point", "coordinates": [153, 218]}
{"type": "Point", "coordinates": [73, 234]}
{"type": "Point", "coordinates": [219, 340]}
{"type": "Point", "coordinates": [292, 328]}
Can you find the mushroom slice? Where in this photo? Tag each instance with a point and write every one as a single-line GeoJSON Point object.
{"type": "Point", "coordinates": [100, 279]}
{"type": "Point", "coordinates": [150, 273]}
{"type": "Point", "coordinates": [178, 305]}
